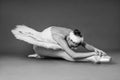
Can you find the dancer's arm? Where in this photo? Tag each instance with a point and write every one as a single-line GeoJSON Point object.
{"type": "Point", "coordinates": [92, 48]}
{"type": "Point", "coordinates": [70, 52]}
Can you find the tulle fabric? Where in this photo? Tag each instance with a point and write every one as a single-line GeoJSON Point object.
{"type": "Point", "coordinates": [31, 36]}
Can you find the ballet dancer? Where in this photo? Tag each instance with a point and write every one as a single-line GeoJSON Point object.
{"type": "Point", "coordinates": [59, 42]}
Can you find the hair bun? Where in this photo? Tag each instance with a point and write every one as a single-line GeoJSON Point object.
{"type": "Point", "coordinates": [77, 32]}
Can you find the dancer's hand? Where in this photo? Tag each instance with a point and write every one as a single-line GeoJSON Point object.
{"type": "Point", "coordinates": [100, 52]}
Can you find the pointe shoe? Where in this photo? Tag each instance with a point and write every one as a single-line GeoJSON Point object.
{"type": "Point", "coordinates": [34, 56]}
{"type": "Point", "coordinates": [103, 59]}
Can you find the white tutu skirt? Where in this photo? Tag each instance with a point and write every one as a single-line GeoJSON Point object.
{"type": "Point", "coordinates": [32, 36]}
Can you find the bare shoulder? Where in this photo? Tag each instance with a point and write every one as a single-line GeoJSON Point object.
{"type": "Point", "coordinates": [60, 30]}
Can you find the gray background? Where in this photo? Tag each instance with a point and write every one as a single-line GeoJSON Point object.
{"type": "Point", "coordinates": [97, 19]}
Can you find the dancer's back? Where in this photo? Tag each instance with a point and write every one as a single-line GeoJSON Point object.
{"type": "Point", "coordinates": [44, 38]}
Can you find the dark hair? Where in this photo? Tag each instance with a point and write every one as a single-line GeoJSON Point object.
{"type": "Point", "coordinates": [77, 33]}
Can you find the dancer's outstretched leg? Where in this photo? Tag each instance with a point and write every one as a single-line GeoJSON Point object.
{"type": "Point", "coordinates": [64, 55]}
{"type": "Point", "coordinates": [94, 59]}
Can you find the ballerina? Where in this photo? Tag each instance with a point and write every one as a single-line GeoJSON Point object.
{"type": "Point", "coordinates": [61, 41]}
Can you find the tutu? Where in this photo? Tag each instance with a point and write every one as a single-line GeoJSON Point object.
{"type": "Point", "coordinates": [34, 37]}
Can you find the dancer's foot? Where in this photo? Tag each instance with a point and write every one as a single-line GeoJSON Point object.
{"type": "Point", "coordinates": [105, 58]}
{"type": "Point", "coordinates": [35, 56]}
{"type": "Point", "coordinates": [102, 59]}
{"type": "Point", "coordinates": [98, 59]}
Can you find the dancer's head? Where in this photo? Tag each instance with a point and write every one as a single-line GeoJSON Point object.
{"type": "Point", "coordinates": [75, 38]}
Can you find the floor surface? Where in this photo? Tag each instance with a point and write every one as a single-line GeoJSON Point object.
{"type": "Point", "coordinates": [23, 68]}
